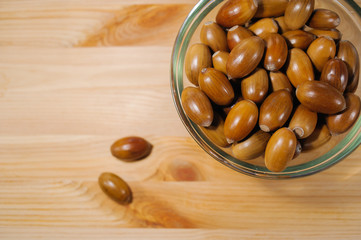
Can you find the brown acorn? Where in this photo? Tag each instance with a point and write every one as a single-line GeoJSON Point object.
{"type": "Point", "coordinates": [271, 8]}
{"type": "Point", "coordinates": [282, 27]}
{"type": "Point", "coordinates": [214, 36]}
{"type": "Point", "coordinates": [320, 51]}
{"type": "Point", "coordinates": [216, 86]}
{"type": "Point", "coordinates": [115, 187]}
{"type": "Point", "coordinates": [280, 81]}
{"type": "Point", "coordinates": [198, 57]}
{"type": "Point", "coordinates": [341, 122]}
{"type": "Point", "coordinates": [298, 12]}
{"type": "Point", "coordinates": [215, 132]}
{"type": "Point", "coordinates": [275, 110]}
{"type": "Point", "coordinates": [236, 34]}
{"type": "Point", "coordinates": [280, 149]}
{"type": "Point", "coordinates": [131, 148]}
{"type": "Point", "coordinates": [197, 106]}
{"type": "Point", "coordinates": [324, 19]}
{"type": "Point", "coordinates": [303, 122]}
{"type": "Point", "coordinates": [219, 60]}
{"type": "Point", "coordinates": [348, 53]}
{"type": "Point", "coordinates": [332, 33]}
{"type": "Point", "coordinates": [299, 39]}
{"type": "Point", "coordinates": [251, 147]}
{"type": "Point", "coordinates": [319, 136]}
{"type": "Point", "coordinates": [240, 121]}
{"type": "Point", "coordinates": [245, 57]}
{"type": "Point", "coordinates": [335, 73]}
{"type": "Point", "coordinates": [227, 109]}
{"type": "Point", "coordinates": [263, 27]}
{"type": "Point", "coordinates": [320, 97]}
{"type": "Point", "coordinates": [299, 68]}
{"type": "Point", "coordinates": [255, 86]}
{"type": "Point", "coordinates": [276, 52]}
{"type": "Point", "coordinates": [236, 12]}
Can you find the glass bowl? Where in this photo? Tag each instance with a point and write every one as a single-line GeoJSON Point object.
{"type": "Point", "coordinates": [306, 163]}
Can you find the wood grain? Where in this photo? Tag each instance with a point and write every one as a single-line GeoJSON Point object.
{"type": "Point", "coordinates": [77, 75]}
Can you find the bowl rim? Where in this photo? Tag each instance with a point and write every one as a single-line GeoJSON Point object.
{"type": "Point", "coordinates": [347, 145]}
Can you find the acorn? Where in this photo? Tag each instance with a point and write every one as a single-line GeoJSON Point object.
{"type": "Point", "coordinates": [214, 36]}
{"type": "Point", "coordinates": [236, 34]}
{"type": "Point", "coordinates": [276, 52]}
{"type": "Point", "coordinates": [227, 109]}
{"type": "Point", "coordinates": [255, 86]}
{"type": "Point", "coordinates": [298, 12]}
{"type": "Point", "coordinates": [215, 132]}
{"type": "Point", "coordinates": [219, 60]}
{"type": "Point", "coordinates": [263, 27]}
{"type": "Point", "coordinates": [320, 51]}
{"type": "Point", "coordinates": [280, 81]}
{"type": "Point", "coordinates": [240, 121]}
{"type": "Point", "coordinates": [216, 86]}
{"type": "Point", "coordinates": [282, 27]}
{"type": "Point", "coordinates": [236, 12]}
{"type": "Point", "coordinates": [251, 147]}
{"type": "Point", "coordinates": [197, 106]}
{"type": "Point", "coordinates": [280, 149]}
{"type": "Point", "coordinates": [116, 188]}
{"type": "Point", "coordinates": [131, 148]}
{"type": "Point", "coordinates": [271, 8]}
{"type": "Point", "coordinates": [198, 57]}
{"type": "Point", "coordinates": [348, 53]}
{"type": "Point", "coordinates": [320, 97]}
{"type": "Point", "coordinates": [275, 110]}
{"type": "Point", "coordinates": [245, 57]}
{"type": "Point", "coordinates": [341, 122]}
{"type": "Point", "coordinates": [303, 122]}
{"type": "Point", "coordinates": [299, 39]}
{"type": "Point", "coordinates": [299, 67]}
{"type": "Point", "coordinates": [324, 19]}
{"type": "Point", "coordinates": [332, 33]}
{"type": "Point", "coordinates": [335, 73]}
{"type": "Point", "coordinates": [319, 136]}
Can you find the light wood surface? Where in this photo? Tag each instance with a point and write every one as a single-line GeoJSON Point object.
{"type": "Point", "coordinates": [77, 75]}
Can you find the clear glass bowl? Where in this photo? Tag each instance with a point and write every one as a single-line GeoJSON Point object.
{"type": "Point", "coordinates": [306, 163]}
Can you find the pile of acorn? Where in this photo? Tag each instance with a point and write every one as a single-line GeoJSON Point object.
{"type": "Point", "coordinates": [280, 79]}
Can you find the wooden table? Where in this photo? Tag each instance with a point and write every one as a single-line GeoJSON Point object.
{"type": "Point", "coordinates": [75, 76]}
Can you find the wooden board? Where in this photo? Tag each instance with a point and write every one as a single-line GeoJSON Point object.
{"type": "Point", "coordinates": [77, 75]}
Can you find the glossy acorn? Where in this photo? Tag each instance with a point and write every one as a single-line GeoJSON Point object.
{"type": "Point", "coordinates": [215, 132]}
{"type": "Point", "coordinates": [282, 27]}
{"type": "Point", "coordinates": [335, 73]}
{"type": "Point", "coordinates": [227, 109]}
{"type": "Point", "coordinates": [320, 51]}
{"type": "Point", "coordinates": [299, 67]}
{"type": "Point", "coordinates": [219, 60]}
{"type": "Point", "coordinates": [214, 36]}
{"type": "Point", "coordinates": [115, 187]}
{"type": "Point", "coordinates": [240, 121]}
{"type": "Point", "coordinates": [255, 86]}
{"type": "Point", "coordinates": [335, 34]}
{"type": "Point", "coordinates": [280, 149]}
{"type": "Point", "coordinates": [236, 12]}
{"type": "Point", "coordinates": [324, 19]}
{"type": "Point", "coordinates": [216, 86]}
{"type": "Point", "coordinates": [197, 57]}
{"type": "Point", "coordinates": [303, 122]}
{"type": "Point", "coordinates": [280, 81]}
{"type": "Point", "coordinates": [343, 121]}
{"type": "Point", "coordinates": [197, 106]}
{"type": "Point", "coordinates": [271, 8]}
{"type": "Point", "coordinates": [319, 136]}
{"type": "Point", "coordinates": [298, 12]}
{"type": "Point", "coordinates": [251, 147]}
{"type": "Point", "coordinates": [263, 27]}
{"type": "Point", "coordinates": [245, 57]}
{"type": "Point", "coordinates": [131, 148]}
{"type": "Point", "coordinates": [236, 34]}
{"type": "Point", "coordinates": [299, 39]}
{"type": "Point", "coordinates": [348, 53]}
{"type": "Point", "coordinates": [320, 97]}
{"type": "Point", "coordinates": [276, 52]}
{"type": "Point", "coordinates": [275, 110]}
